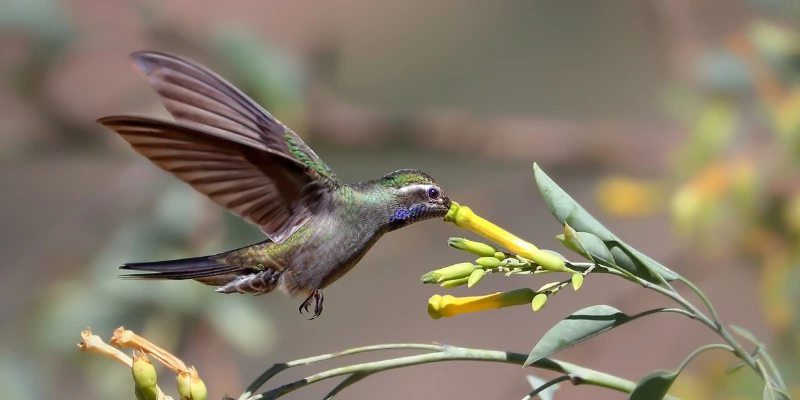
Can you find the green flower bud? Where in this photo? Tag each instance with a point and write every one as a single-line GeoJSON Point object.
{"type": "Point", "coordinates": [455, 271]}
{"type": "Point", "coordinates": [431, 277]}
{"type": "Point", "coordinates": [538, 301]}
{"type": "Point", "coordinates": [190, 386]}
{"type": "Point", "coordinates": [138, 393]}
{"type": "Point", "coordinates": [475, 277]}
{"type": "Point", "coordinates": [455, 282]}
{"type": "Point", "coordinates": [488, 262]}
{"type": "Point", "coordinates": [500, 255]}
{"type": "Point", "coordinates": [144, 376]}
{"type": "Point", "coordinates": [577, 280]}
{"type": "Point", "coordinates": [477, 248]}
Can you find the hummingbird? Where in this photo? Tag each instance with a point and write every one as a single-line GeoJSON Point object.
{"type": "Point", "coordinates": [228, 148]}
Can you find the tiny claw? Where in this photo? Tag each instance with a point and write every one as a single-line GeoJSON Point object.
{"type": "Point", "coordinates": [305, 304]}
{"type": "Point", "coordinates": [317, 297]}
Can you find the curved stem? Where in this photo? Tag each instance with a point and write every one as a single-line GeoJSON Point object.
{"type": "Point", "coordinates": [546, 385]}
{"type": "Point", "coordinates": [702, 297]}
{"type": "Point", "coordinates": [345, 383]}
{"type": "Point", "coordinates": [714, 324]}
{"type": "Point", "coordinates": [451, 353]}
{"type": "Point", "coordinates": [699, 350]}
{"type": "Point", "coordinates": [277, 368]}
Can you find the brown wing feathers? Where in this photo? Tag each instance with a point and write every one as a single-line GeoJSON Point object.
{"type": "Point", "coordinates": [224, 145]}
{"type": "Point", "coordinates": [222, 170]}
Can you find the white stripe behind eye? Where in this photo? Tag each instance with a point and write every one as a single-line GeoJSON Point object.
{"type": "Point", "coordinates": [415, 188]}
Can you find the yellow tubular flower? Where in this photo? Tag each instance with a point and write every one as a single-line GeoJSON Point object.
{"type": "Point", "coordinates": [449, 306]}
{"type": "Point", "coordinates": [463, 217]}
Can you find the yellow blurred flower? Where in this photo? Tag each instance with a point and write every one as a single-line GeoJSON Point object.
{"type": "Point", "coordinates": [449, 306]}
{"type": "Point", "coordinates": [630, 197]}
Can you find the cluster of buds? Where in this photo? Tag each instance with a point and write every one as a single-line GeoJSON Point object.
{"type": "Point", "coordinates": [490, 261]}
{"type": "Point", "coordinates": [525, 259]}
{"type": "Point", "coordinates": [190, 386]}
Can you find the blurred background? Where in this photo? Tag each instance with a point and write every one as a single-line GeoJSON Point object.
{"type": "Point", "coordinates": [675, 122]}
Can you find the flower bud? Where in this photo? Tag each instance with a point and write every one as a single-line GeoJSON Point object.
{"type": "Point", "coordinates": [477, 248]}
{"type": "Point", "coordinates": [456, 271]}
{"type": "Point", "coordinates": [475, 277]}
{"type": "Point", "coordinates": [488, 262]}
{"type": "Point", "coordinates": [455, 282]}
{"type": "Point", "coordinates": [190, 386]}
{"type": "Point", "coordinates": [538, 301]}
{"type": "Point", "coordinates": [144, 376]}
{"type": "Point", "coordinates": [500, 255]}
{"type": "Point", "coordinates": [577, 280]}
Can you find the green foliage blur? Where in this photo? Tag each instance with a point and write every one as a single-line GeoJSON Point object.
{"type": "Point", "coordinates": [734, 187]}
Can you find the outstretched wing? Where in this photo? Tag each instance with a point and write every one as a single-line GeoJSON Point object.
{"type": "Point", "coordinates": [238, 172]}
{"type": "Point", "coordinates": [195, 95]}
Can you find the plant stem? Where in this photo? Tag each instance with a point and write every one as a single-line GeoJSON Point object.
{"type": "Point", "coordinates": [277, 368]}
{"type": "Point", "coordinates": [702, 349]}
{"type": "Point", "coordinates": [443, 353]}
{"type": "Point", "coordinates": [702, 297]}
{"type": "Point", "coordinates": [546, 385]}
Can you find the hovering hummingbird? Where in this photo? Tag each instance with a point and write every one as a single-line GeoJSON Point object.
{"type": "Point", "coordinates": [234, 152]}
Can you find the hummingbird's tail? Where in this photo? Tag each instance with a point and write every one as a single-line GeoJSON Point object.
{"type": "Point", "coordinates": [204, 269]}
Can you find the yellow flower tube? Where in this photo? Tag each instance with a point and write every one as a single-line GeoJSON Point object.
{"type": "Point", "coordinates": [463, 217]}
{"type": "Point", "coordinates": [449, 306]}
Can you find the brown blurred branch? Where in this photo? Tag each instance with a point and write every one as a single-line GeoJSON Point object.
{"type": "Point", "coordinates": [609, 143]}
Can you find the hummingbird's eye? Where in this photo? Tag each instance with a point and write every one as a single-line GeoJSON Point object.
{"type": "Point", "coordinates": [433, 194]}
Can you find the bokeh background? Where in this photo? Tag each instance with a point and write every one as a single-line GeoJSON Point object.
{"type": "Point", "coordinates": [676, 122]}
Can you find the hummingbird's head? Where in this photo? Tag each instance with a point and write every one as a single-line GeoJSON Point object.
{"type": "Point", "coordinates": [417, 197]}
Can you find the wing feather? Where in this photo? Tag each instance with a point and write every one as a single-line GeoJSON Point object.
{"type": "Point", "coordinates": [196, 96]}
{"type": "Point", "coordinates": [256, 183]}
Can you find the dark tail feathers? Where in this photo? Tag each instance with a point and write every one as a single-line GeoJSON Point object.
{"type": "Point", "coordinates": [186, 268]}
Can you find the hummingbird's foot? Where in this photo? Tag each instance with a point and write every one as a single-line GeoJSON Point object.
{"type": "Point", "coordinates": [316, 296]}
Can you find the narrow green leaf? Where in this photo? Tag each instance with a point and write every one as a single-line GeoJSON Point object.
{"type": "Point", "coordinates": [642, 263]}
{"type": "Point", "coordinates": [654, 386]}
{"type": "Point", "coordinates": [567, 211]}
{"type": "Point", "coordinates": [589, 246]}
{"type": "Point", "coordinates": [579, 326]}
{"type": "Point", "coordinates": [747, 335]}
{"type": "Point", "coordinates": [773, 393]}
{"type": "Point", "coordinates": [773, 373]}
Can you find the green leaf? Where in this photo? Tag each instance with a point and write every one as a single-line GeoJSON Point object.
{"type": "Point", "coordinates": [773, 374]}
{"type": "Point", "coordinates": [773, 393]}
{"type": "Point", "coordinates": [747, 335]}
{"type": "Point", "coordinates": [653, 386]}
{"type": "Point", "coordinates": [567, 211]}
{"type": "Point", "coordinates": [579, 326]}
{"type": "Point", "coordinates": [589, 246]}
